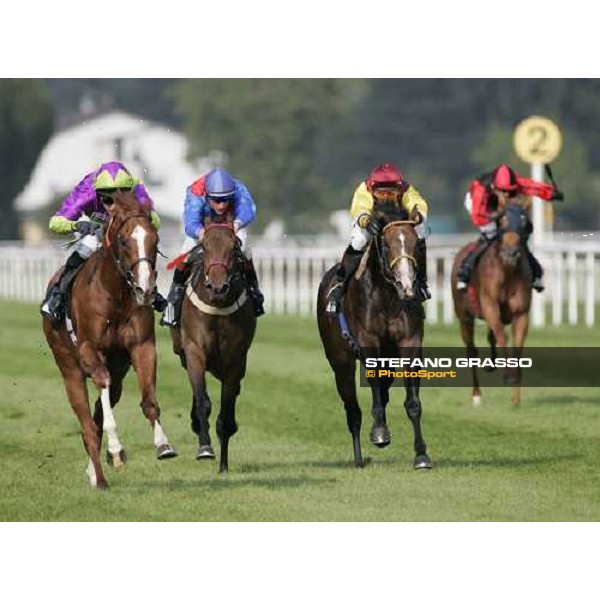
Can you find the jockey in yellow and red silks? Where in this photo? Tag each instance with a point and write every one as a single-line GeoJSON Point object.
{"type": "Point", "coordinates": [384, 184]}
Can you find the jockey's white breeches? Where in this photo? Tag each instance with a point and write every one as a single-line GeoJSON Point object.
{"type": "Point", "coordinates": [87, 245]}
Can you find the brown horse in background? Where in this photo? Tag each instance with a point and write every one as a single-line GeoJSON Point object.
{"type": "Point", "coordinates": [217, 329]}
{"type": "Point", "coordinates": [113, 321]}
{"type": "Point", "coordinates": [500, 294]}
{"type": "Point", "coordinates": [383, 313]}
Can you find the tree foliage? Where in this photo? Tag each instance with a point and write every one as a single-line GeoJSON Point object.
{"type": "Point", "coordinates": [280, 137]}
{"type": "Point", "coordinates": [26, 122]}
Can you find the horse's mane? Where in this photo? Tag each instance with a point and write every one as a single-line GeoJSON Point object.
{"type": "Point", "coordinates": [387, 212]}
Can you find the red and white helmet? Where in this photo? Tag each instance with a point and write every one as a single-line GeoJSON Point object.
{"type": "Point", "coordinates": [386, 175]}
{"type": "Point", "coordinates": [505, 179]}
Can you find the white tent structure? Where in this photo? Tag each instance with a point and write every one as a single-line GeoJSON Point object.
{"type": "Point", "coordinates": [155, 153]}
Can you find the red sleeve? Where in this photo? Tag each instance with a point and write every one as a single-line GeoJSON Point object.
{"type": "Point", "coordinates": [529, 187]}
{"type": "Point", "coordinates": [198, 187]}
{"type": "Point", "coordinates": [479, 209]}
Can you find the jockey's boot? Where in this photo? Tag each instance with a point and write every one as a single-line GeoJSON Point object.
{"type": "Point", "coordinates": [465, 271]}
{"type": "Point", "coordinates": [171, 316]}
{"type": "Point", "coordinates": [348, 267]}
{"type": "Point", "coordinates": [256, 295]}
{"type": "Point", "coordinates": [536, 270]}
{"type": "Point", "coordinates": [159, 302]}
{"type": "Point", "coordinates": [422, 272]}
{"type": "Point", "coordinates": [53, 306]}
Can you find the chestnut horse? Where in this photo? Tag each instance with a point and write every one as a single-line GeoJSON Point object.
{"type": "Point", "coordinates": [217, 329]}
{"type": "Point", "coordinates": [382, 312]}
{"type": "Point", "coordinates": [500, 294]}
{"type": "Point", "coordinates": [111, 317]}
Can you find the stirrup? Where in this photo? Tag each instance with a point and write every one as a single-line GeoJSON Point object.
{"type": "Point", "coordinates": [538, 285]}
{"type": "Point", "coordinates": [258, 300]}
{"type": "Point", "coordinates": [461, 285]}
{"type": "Point", "coordinates": [425, 292]}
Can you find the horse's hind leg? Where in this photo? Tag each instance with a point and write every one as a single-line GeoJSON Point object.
{"type": "Point", "coordinates": [143, 359]}
{"type": "Point", "coordinates": [412, 405]}
{"type": "Point", "coordinates": [76, 389]}
{"type": "Point", "coordinates": [380, 432]}
{"type": "Point", "coordinates": [346, 387]}
{"type": "Point", "coordinates": [467, 332]}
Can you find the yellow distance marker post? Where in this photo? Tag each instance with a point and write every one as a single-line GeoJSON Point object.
{"type": "Point", "coordinates": [538, 141]}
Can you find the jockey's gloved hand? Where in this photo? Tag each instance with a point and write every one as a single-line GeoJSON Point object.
{"type": "Point", "coordinates": [85, 227]}
{"type": "Point", "coordinates": [374, 227]}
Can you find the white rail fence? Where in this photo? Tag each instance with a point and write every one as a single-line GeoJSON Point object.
{"type": "Point", "coordinates": [290, 278]}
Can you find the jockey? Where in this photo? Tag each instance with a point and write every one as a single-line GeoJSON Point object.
{"type": "Point", "coordinates": [86, 199]}
{"type": "Point", "coordinates": [487, 197]}
{"type": "Point", "coordinates": [215, 194]}
{"type": "Point", "coordinates": [384, 184]}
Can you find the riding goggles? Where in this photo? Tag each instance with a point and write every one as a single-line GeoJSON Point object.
{"type": "Point", "coordinates": [386, 194]}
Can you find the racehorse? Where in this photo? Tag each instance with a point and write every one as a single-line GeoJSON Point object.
{"type": "Point", "coordinates": [216, 332]}
{"type": "Point", "coordinates": [499, 293]}
{"type": "Point", "coordinates": [382, 312]}
{"type": "Point", "coordinates": [110, 326]}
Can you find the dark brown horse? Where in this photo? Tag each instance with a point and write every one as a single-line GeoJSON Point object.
{"type": "Point", "coordinates": [500, 293]}
{"type": "Point", "coordinates": [217, 329]}
{"type": "Point", "coordinates": [383, 313]}
{"type": "Point", "coordinates": [113, 321]}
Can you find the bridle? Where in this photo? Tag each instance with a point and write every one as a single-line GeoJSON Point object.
{"type": "Point", "coordinates": [126, 271]}
{"type": "Point", "coordinates": [387, 270]}
{"type": "Point", "coordinates": [216, 262]}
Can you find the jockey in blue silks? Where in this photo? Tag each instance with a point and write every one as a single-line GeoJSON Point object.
{"type": "Point", "coordinates": [214, 195]}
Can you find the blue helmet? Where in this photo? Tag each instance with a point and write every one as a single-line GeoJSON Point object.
{"type": "Point", "coordinates": [219, 185]}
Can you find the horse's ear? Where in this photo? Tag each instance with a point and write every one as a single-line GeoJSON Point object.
{"type": "Point", "coordinates": [415, 215]}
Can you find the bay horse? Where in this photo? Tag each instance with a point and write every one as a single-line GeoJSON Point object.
{"type": "Point", "coordinates": [499, 293]}
{"type": "Point", "coordinates": [383, 312]}
{"type": "Point", "coordinates": [216, 332]}
{"type": "Point", "coordinates": [111, 327]}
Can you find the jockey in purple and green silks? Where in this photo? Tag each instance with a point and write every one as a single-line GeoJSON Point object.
{"type": "Point", "coordinates": [86, 199]}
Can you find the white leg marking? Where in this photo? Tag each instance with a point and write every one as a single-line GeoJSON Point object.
{"type": "Point", "coordinates": [406, 267]}
{"type": "Point", "coordinates": [139, 235]}
{"type": "Point", "coordinates": [91, 473]}
{"type": "Point", "coordinates": [109, 425]}
{"type": "Point", "coordinates": [476, 400]}
{"type": "Point", "coordinates": [159, 435]}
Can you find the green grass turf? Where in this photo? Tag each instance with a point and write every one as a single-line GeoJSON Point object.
{"type": "Point", "coordinates": [292, 458]}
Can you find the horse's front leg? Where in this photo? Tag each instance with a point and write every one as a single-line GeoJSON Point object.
{"type": "Point", "coordinates": [380, 432]}
{"type": "Point", "coordinates": [94, 363]}
{"type": "Point", "coordinates": [195, 359]}
{"type": "Point", "coordinates": [143, 359]}
{"type": "Point", "coordinates": [413, 408]}
{"type": "Point", "coordinates": [520, 326]}
{"type": "Point", "coordinates": [467, 332]}
{"type": "Point", "coordinates": [226, 425]}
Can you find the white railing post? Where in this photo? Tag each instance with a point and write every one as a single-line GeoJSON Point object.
{"type": "Point", "coordinates": [572, 275]}
{"type": "Point", "coordinates": [590, 289]}
{"type": "Point", "coordinates": [557, 289]}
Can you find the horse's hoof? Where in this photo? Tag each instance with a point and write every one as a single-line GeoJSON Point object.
{"type": "Point", "coordinates": [102, 485]}
{"type": "Point", "coordinates": [476, 400]}
{"type": "Point", "coordinates": [205, 452]}
{"type": "Point", "coordinates": [381, 436]}
{"type": "Point", "coordinates": [165, 451]}
{"type": "Point", "coordinates": [223, 470]}
{"type": "Point", "coordinates": [117, 461]}
{"type": "Point", "coordinates": [359, 464]}
{"type": "Point", "coordinates": [422, 461]}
